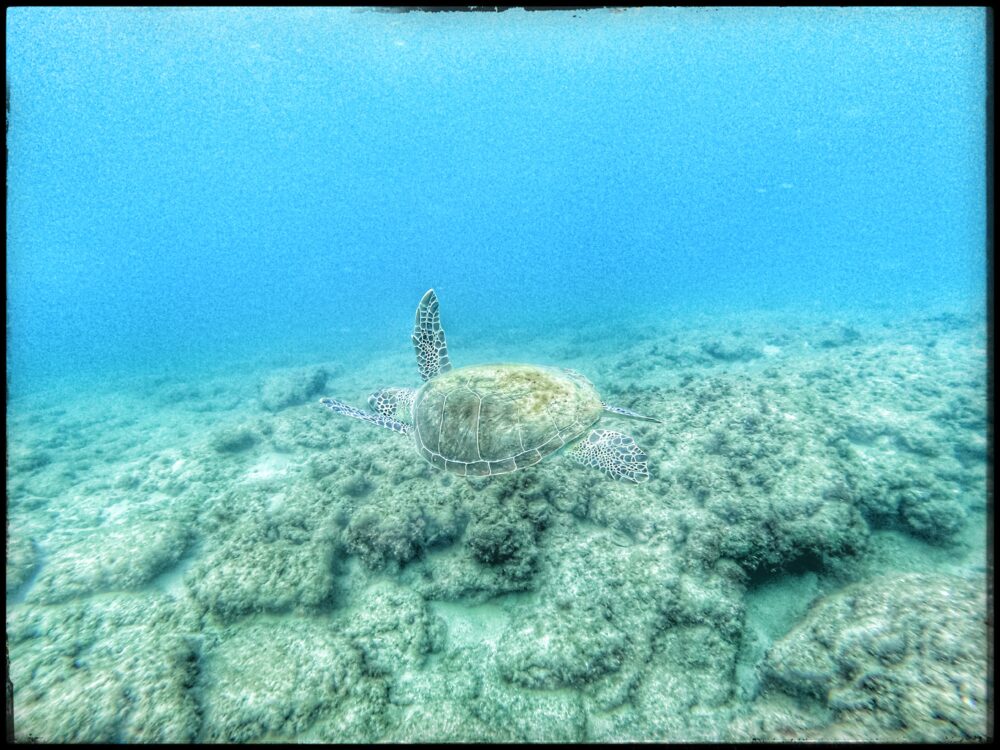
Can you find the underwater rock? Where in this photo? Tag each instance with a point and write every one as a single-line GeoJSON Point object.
{"type": "Point", "coordinates": [843, 336]}
{"type": "Point", "coordinates": [531, 716]}
{"type": "Point", "coordinates": [394, 631]}
{"type": "Point", "coordinates": [22, 559]}
{"type": "Point", "coordinates": [683, 694]}
{"type": "Point", "coordinates": [115, 669]}
{"type": "Point", "coordinates": [169, 393]}
{"type": "Point", "coordinates": [24, 460]}
{"type": "Point", "coordinates": [435, 702]}
{"type": "Point", "coordinates": [291, 387]}
{"type": "Point", "coordinates": [922, 445]}
{"type": "Point", "coordinates": [731, 349]}
{"type": "Point", "coordinates": [265, 547]}
{"type": "Point", "coordinates": [275, 680]}
{"type": "Point", "coordinates": [963, 410]}
{"type": "Point", "coordinates": [441, 721]}
{"type": "Point", "coordinates": [356, 485]}
{"type": "Point", "coordinates": [916, 501]}
{"type": "Point", "coordinates": [322, 465]}
{"type": "Point", "coordinates": [931, 515]}
{"type": "Point", "coordinates": [901, 657]}
{"type": "Point", "coordinates": [383, 539]}
{"type": "Point", "coordinates": [180, 474]}
{"type": "Point", "coordinates": [555, 647]}
{"type": "Point", "coordinates": [232, 439]}
{"type": "Point", "coordinates": [451, 574]}
{"type": "Point", "coordinates": [753, 489]}
{"type": "Point", "coordinates": [499, 535]}
{"type": "Point", "coordinates": [971, 450]}
{"type": "Point", "coordinates": [204, 396]}
{"type": "Point", "coordinates": [396, 524]}
{"type": "Point", "coordinates": [603, 604]}
{"type": "Point", "coordinates": [291, 431]}
{"type": "Point", "coordinates": [262, 569]}
{"type": "Point", "coordinates": [122, 554]}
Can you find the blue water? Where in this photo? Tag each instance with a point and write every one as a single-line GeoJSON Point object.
{"type": "Point", "coordinates": [201, 185]}
{"type": "Point", "coordinates": [763, 229]}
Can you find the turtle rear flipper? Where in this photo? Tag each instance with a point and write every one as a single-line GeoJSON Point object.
{"type": "Point", "coordinates": [614, 453]}
{"type": "Point", "coordinates": [380, 419]}
{"type": "Point", "coordinates": [428, 338]}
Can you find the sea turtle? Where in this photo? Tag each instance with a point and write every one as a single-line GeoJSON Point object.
{"type": "Point", "coordinates": [497, 418]}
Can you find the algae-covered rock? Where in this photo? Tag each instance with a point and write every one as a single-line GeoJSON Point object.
{"type": "Point", "coordinates": [553, 648]}
{"type": "Point", "coordinates": [518, 715]}
{"type": "Point", "coordinates": [436, 702]}
{"type": "Point", "coordinates": [931, 514]}
{"type": "Point", "coordinates": [267, 546]}
{"type": "Point", "coordinates": [602, 605]}
{"type": "Point", "coordinates": [503, 535]}
{"type": "Point", "coordinates": [398, 536]}
{"type": "Point", "coordinates": [114, 669]}
{"type": "Point", "coordinates": [451, 574]}
{"type": "Point", "coordinates": [269, 681]}
{"type": "Point", "coordinates": [23, 459]}
{"type": "Point", "coordinates": [754, 479]}
{"type": "Point", "coordinates": [900, 657]}
{"type": "Point", "coordinates": [393, 630]}
{"type": "Point", "coordinates": [232, 439]}
{"type": "Point", "coordinates": [683, 692]}
{"type": "Point", "coordinates": [22, 559]}
{"type": "Point", "coordinates": [397, 524]}
{"type": "Point", "coordinates": [915, 501]}
{"type": "Point", "coordinates": [254, 571]}
{"type": "Point", "coordinates": [291, 387]}
{"type": "Point", "coordinates": [728, 348]}
{"type": "Point", "coordinates": [120, 555]}
{"type": "Point", "coordinates": [440, 721]}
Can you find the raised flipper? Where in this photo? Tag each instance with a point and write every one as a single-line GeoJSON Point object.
{"type": "Point", "coordinates": [628, 413]}
{"type": "Point", "coordinates": [380, 419]}
{"type": "Point", "coordinates": [428, 338]}
{"type": "Point", "coordinates": [395, 403]}
{"type": "Point", "coordinates": [614, 453]}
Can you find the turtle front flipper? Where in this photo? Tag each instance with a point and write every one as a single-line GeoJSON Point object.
{"type": "Point", "coordinates": [614, 453]}
{"type": "Point", "coordinates": [428, 338]}
{"type": "Point", "coordinates": [380, 419]}
{"type": "Point", "coordinates": [395, 403]}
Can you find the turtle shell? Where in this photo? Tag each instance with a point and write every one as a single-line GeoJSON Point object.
{"type": "Point", "coordinates": [493, 419]}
